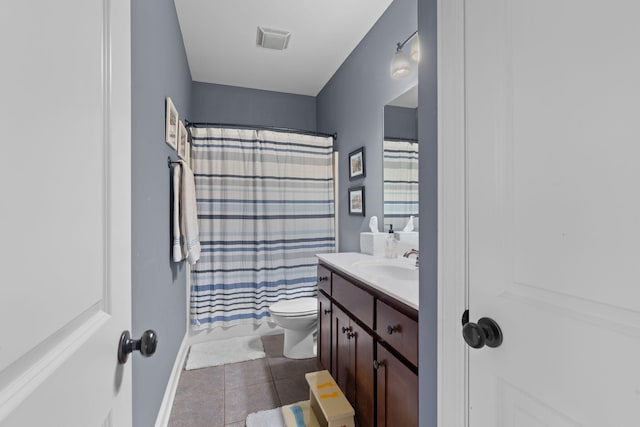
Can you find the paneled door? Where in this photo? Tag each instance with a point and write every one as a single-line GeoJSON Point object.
{"type": "Point", "coordinates": [553, 210]}
{"type": "Point", "coordinates": [341, 357]}
{"type": "Point", "coordinates": [65, 218]}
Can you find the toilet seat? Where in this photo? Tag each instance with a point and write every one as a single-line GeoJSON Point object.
{"type": "Point", "coordinates": [295, 307]}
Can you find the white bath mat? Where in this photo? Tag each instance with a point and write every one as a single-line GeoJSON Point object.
{"type": "Point", "coordinates": [232, 350]}
{"type": "Point", "coordinates": [296, 413]}
{"type": "Point", "coordinates": [269, 418]}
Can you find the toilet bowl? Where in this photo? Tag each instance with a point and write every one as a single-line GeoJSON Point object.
{"type": "Point", "coordinates": [299, 318]}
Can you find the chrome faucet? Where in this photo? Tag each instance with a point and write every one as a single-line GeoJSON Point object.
{"type": "Point", "coordinates": [413, 252]}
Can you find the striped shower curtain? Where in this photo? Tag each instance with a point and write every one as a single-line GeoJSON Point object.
{"type": "Point", "coordinates": [265, 208]}
{"type": "Point", "coordinates": [400, 181]}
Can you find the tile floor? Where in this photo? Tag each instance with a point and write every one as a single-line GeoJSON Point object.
{"type": "Point", "coordinates": [223, 396]}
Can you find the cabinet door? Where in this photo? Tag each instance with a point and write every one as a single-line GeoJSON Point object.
{"type": "Point", "coordinates": [324, 331]}
{"type": "Point", "coordinates": [341, 358]}
{"type": "Point", "coordinates": [397, 392]}
{"type": "Point", "coordinates": [361, 375]}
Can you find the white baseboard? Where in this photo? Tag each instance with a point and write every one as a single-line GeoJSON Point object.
{"type": "Point", "coordinates": [170, 392]}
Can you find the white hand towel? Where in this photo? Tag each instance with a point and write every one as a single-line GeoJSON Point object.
{"type": "Point", "coordinates": [189, 215]}
{"type": "Point", "coordinates": [178, 255]}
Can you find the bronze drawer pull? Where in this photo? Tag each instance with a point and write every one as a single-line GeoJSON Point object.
{"type": "Point", "coordinates": [392, 329]}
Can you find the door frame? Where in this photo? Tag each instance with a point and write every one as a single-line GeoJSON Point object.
{"type": "Point", "coordinates": [453, 354]}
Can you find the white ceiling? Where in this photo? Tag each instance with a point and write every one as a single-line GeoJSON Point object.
{"type": "Point", "coordinates": [409, 99]}
{"type": "Point", "coordinates": [220, 40]}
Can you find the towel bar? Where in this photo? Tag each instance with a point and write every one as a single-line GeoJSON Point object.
{"type": "Point", "coordinates": [171, 162]}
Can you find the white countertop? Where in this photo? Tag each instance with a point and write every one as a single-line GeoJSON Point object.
{"type": "Point", "coordinates": [405, 291]}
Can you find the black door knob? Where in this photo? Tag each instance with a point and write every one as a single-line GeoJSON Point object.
{"type": "Point", "coordinates": [485, 332]}
{"type": "Point", "coordinates": [146, 345]}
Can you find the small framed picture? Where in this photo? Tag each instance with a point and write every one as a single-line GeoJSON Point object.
{"type": "Point", "coordinates": [171, 125]}
{"type": "Point", "coordinates": [189, 153]}
{"type": "Point", "coordinates": [183, 142]}
{"type": "Point", "coordinates": [356, 164]}
{"type": "Point", "coordinates": [356, 201]}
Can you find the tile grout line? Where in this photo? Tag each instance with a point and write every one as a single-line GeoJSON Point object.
{"type": "Point", "coordinates": [224, 395]}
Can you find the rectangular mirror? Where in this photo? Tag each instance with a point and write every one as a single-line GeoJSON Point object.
{"type": "Point", "coordinates": [400, 156]}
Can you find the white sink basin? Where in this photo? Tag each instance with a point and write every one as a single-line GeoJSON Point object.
{"type": "Point", "coordinates": [393, 269]}
{"type": "Point", "coordinates": [397, 278]}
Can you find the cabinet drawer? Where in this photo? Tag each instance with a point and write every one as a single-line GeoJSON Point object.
{"type": "Point", "coordinates": [324, 279]}
{"type": "Point", "coordinates": [358, 301]}
{"type": "Point", "coordinates": [398, 330]}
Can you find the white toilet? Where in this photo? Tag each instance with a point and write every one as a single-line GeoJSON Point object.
{"type": "Point", "coordinates": [299, 319]}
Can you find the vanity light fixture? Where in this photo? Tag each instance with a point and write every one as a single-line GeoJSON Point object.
{"type": "Point", "coordinates": [400, 65]}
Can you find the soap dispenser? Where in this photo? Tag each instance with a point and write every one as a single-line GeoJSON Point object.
{"type": "Point", "coordinates": [391, 246]}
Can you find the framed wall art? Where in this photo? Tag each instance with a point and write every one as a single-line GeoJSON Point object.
{"type": "Point", "coordinates": [356, 164]}
{"type": "Point", "coordinates": [183, 142]}
{"type": "Point", "coordinates": [356, 201]}
{"type": "Point", "coordinates": [189, 153]}
{"type": "Point", "coordinates": [171, 125]}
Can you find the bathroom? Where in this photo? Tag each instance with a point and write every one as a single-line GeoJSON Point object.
{"type": "Point", "coordinates": [363, 85]}
{"type": "Point", "coordinates": [351, 106]}
{"type": "Point", "coordinates": [573, 273]}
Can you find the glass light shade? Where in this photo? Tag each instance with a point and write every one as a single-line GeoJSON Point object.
{"type": "Point", "coordinates": [415, 49]}
{"type": "Point", "coordinates": [400, 65]}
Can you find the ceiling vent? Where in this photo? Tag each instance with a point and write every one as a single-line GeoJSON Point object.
{"type": "Point", "coordinates": [272, 39]}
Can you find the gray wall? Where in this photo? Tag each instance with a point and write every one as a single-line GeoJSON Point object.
{"type": "Point", "coordinates": [159, 69]}
{"type": "Point", "coordinates": [242, 106]}
{"type": "Point", "coordinates": [428, 140]}
{"type": "Point", "coordinates": [400, 122]}
{"type": "Point", "coordinates": [352, 102]}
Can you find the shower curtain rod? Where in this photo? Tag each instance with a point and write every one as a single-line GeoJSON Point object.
{"type": "Point", "coordinates": [230, 125]}
{"type": "Point", "coordinates": [396, 139]}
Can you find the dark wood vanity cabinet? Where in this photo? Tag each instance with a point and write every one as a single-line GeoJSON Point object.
{"type": "Point", "coordinates": [324, 331]}
{"type": "Point", "coordinates": [324, 279]}
{"type": "Point", "coordinates": [353, 356]}
{"type": "Point", "coordinates": [372, 352]}
{"type": "Point", "coordinates": [398, 331]}
{"type": "Point", "coordinates": [397, 391]}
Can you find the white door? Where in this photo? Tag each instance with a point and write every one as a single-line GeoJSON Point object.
{"type": "Point", "coordinates": [65, 216]}
{"type": "Point", "coordinates": [553, 210]}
